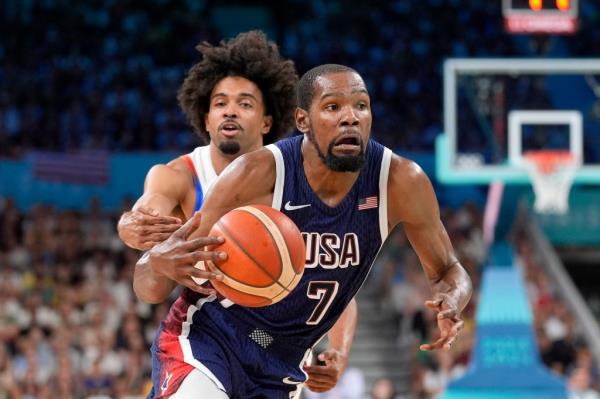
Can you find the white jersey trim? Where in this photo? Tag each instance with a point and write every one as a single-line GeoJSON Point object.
{"type": "Point", "coordinates": [383, 192]}
{"type": "Point", "coordinates": [280, 176]}
{"type": "Point", "coordinates": [186, 347]}
{"type": "Point", "coordinates": [204, 168]}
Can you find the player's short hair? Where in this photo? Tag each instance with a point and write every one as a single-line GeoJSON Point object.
{"type": "Point", "coordinates": [306, 85]}
{"type": "Point", "coordinates": [249, 55]}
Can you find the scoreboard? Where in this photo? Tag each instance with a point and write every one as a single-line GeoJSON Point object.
{"type": "Point", "coordinates": [540, 16]}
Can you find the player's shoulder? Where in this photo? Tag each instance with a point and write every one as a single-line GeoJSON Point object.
{"type": "Point", "coordinates": [406, 174]}
{"type": "Point", "coordinates": [410, 193]}
{"type": "Point", "coordinates": [177, 171]}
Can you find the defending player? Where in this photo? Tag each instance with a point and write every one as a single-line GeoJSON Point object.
{"type": "Point", "coordinates": [345, 192]}
{"type": "Point", "coordinates": [240, 95]}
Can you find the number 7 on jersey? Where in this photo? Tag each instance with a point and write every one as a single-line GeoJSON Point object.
{"type": "Point", "coordinates": [324, 292]}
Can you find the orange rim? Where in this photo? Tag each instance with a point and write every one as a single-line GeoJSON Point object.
{"type": "Point", "coordinates": [546, 161]}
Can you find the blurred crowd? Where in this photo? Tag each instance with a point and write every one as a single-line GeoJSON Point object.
{"type": "Point", "coordinates": [105, 74]}
{"type": "Point", "coordinates": [560, 340]}
{"type": "Point", "coordinates": [70, 326]}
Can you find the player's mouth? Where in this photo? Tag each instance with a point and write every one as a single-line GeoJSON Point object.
{"type": "Point", "coordinates": [230, 129]}
{"type": "Point", "coordinates": [348, 144]}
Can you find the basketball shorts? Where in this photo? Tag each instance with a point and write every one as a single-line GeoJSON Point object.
{"type": "Point", "coordinates": [242, 361]}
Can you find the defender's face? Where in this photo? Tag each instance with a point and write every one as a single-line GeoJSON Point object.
{"type": "Point", "coordinates": [236, 119]}
{"type": "Point", "coordinates": [339, 120]}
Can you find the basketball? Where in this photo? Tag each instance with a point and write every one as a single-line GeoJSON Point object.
{"type": "Point", "coordinates": [266, 255]}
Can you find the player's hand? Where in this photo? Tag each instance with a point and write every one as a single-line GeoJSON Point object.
{"type": "Point", "coordinates": [145, 227]}
{"type": "Point", "coordinates": [448, 321]}
{"type": "Point", "coordinates": [175, 257]}
{"type": "Point", "coordinates": [323, 377]}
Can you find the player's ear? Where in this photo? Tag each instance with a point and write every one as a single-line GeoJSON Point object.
{"type": "Point", "coordinates": [302, 120]}
{"type": "Point", "coordinates": [267, 124]}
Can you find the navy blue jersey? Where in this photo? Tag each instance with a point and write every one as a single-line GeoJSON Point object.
{"type": "Point", "coordinates": [245, 350]}
{"type": "Point", "coordinates": [341, 242]}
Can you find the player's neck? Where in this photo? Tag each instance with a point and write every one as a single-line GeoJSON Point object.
{"type": "Point", "coordinates": [221, 160]}
{"type": "Point", "coordinates": [330, 186]}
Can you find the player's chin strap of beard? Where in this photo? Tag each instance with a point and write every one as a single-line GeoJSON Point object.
{"type": "Point", "coordinates": [349, 163]}
{"type": "Point", "coordinates": [229, 147]}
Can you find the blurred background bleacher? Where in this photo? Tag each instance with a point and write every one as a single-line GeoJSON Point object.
{"type": "Point", "coordinates": [96, 81]}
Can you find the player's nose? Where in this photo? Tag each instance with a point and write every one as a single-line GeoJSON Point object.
{"type": "Point", "coordinates": [348, 117]}
{"type": "Point", "coordinates": [230, 111]}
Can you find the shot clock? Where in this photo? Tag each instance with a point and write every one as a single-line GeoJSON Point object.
{"type": "Point", "coordinates": [540, 16]}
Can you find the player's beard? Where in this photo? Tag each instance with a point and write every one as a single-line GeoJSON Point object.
{"type": "Point", "coordinates": [229, 147]}
{"type": "Point", "coordinates": [345, 163]}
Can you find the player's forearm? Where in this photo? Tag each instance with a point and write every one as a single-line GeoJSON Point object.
{"type": "Point", "coordinates": [341, 334]}
{"type": "Point", "coordinates": [150, 287]}
{"type": "Point", "coordinates": [456, 283]}
{"type": "Point", "coordinates": [161, 203]}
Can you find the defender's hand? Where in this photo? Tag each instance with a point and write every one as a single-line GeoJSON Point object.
{"type": "Point", "coordinates": [175, 257]}
{"type": "Point", "coordinates": [144, 228]}
{"type": "Point", "coordinates": [323, 377]}
{"type": "Point", "coordinates": [448, 321]}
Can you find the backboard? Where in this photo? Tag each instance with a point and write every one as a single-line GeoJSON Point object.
{"type": "Point", "coordinates": [497, 109]}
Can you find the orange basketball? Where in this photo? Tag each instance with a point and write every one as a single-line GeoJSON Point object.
{"type": "Point", "coordinates": [266, 255]}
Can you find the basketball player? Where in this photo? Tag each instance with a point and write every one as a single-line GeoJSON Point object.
{"type": "Point", "coordinates": [242, 93]}
{"type": "Point", "coordinates": [345, 192]}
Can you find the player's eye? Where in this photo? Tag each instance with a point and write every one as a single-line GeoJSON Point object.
{"type": "Point", "coordinates": [362, 105]}
{"type": "Point", "coordinates": [331, 107]}
{"type": "Point", "coordinates": [219, 103]}
{"type": "Point", "coordinates": [246, 104]}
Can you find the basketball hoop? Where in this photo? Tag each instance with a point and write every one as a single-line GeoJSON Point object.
{"type": "Point", "coordinates": [552, 173]}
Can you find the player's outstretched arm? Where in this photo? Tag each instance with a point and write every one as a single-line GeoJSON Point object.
{"type": "Point", "coordinates": [412, 202]}
{"type": "Point", "coordinates": [149, 222]}
{"type": "Point", "coordinates": [332, 362]}
{"type": "Point", "coordinates": [172, 261]}
{"type": "Point", "coordinates": [248, 180]}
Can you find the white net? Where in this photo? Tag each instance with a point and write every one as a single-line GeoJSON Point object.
{"type": "Point", "coordinates": [552, 174]}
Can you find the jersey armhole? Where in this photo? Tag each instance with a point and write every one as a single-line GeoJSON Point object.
{"type": "Point", "coordinates": [279, 176]}
{"type": "Point", "coordinates": [383, 193]}
{"type": "Point", "coordinates": [199, 194]}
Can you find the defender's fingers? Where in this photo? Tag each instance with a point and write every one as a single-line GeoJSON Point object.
{"type": "Point", "coordinates": [158, 220]}
{"type": "Point", "coordinates": [162, 228]}
{"type": "Point", "coordinates": [150, 216]}
{"type": "Point", "coordinates": [147, 211]}
{"type": "Point", "coordinates": [156, 237]}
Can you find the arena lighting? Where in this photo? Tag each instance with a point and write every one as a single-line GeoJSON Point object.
{"type": "Point", "coordinates": [540, 16]}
